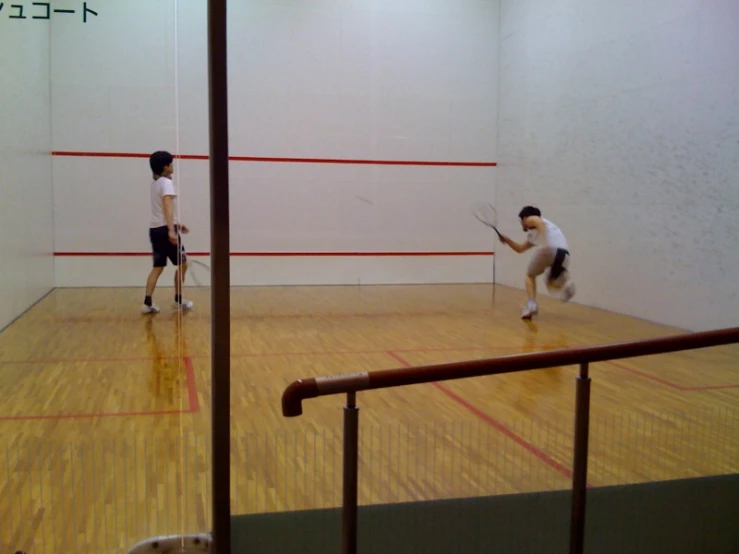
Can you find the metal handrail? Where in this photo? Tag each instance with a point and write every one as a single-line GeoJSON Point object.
{"type": "Point", "coordinates": [349, 384]}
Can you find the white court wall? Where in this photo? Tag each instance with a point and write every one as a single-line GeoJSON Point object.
{"type": "Point", "coordinates": [26, 229]}
{"type": "Point", "coordinates": [412, 81]}
{"type": "Point", "coordinates": [620, 120]}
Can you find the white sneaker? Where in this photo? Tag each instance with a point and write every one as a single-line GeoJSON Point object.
{"type": "Point", "coordinates": [149, 309]}
{"type": "Point", "coordinates": [184, 305]}
{"type": "Point", "coordinates": [530, 310]}
{"type": "Point", "coordinates": [569, 292]}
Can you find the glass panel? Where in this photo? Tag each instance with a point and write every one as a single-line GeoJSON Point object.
{"type": "Point", "coordinates": [104, 411]}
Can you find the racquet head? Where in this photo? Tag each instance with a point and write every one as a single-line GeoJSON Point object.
{"type": "Point", "coordinates": [486, 214]}
{"type": "Point", "coordinates": [194, 273]}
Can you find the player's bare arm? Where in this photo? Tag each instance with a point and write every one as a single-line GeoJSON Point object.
{"type": "Point", "coordinates": [169, 215]}
{"type": "Point", "coordinates": [519, 247]}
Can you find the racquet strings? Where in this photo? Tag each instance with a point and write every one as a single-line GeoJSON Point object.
{"type": "Point", "coordinates": [485, 213]}
{"type": "Point", "coordinates": [192, 272]}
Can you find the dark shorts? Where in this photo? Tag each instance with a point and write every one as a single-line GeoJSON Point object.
{"type": "Point", "coordinates": [162, 248]}
{"type": "Point", "coordinates": [557, 260]}
{"type": "Point", "coordinates": [561, 261]}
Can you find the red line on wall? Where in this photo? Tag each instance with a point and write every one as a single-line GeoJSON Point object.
{"type": "Point", "coordinates": [285, 254]}
{"type": "Point", "coordinates": [340, 161]}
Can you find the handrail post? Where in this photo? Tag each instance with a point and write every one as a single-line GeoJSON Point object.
{"type": "Point", "coordinates": [351, 475]}
{"type": "Point", "coordinates": [220, 347]}
{"type": "Point", "coordinates": [580, 465]}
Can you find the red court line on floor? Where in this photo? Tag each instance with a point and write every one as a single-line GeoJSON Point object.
{"type": "Point", "coordinates": [512, 349]}
{"type": "Point", "coordinates": [266, 355]}
{"type": "Point", "coordinates": [272, 159]}
{"type": "Point", "coordinates": [91, 416]}
{"type": "Point", "coordinates": [327, 254]}
{"type": "Point", "coordinates": [540, 454]}
{"type": "Point", "coordinates": [260, 317]}
{"type": "Point", "coordinates": [192, 387]}
{"type": "Point", "coordinates": [667, 383]}
{"type": "Point", "coordinates": [192, 395]}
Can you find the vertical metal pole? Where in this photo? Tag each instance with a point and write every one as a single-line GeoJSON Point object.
{"type": "Point", "coordinates": [221, 278]}
{"type": "Point", "coordinates": [580, 465]}
{"type": "Point", "coordinates": [351, 475]}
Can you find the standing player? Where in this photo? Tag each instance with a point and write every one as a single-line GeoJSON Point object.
{"type": "Point", "coordinates": [164, 232]}
{"type": "Point", "coordinates": [552, 253]}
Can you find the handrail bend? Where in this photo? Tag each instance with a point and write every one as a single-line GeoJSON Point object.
{"type": "Point", "coordinates": [303, 389]}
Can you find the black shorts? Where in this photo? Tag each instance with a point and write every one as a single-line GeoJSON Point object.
{"type": "Point", "coordinates": [162, 248]}
{"type": "Point", "coordinates": [558, 267]}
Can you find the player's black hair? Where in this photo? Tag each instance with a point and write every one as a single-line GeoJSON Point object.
{"type": "Point", "coordinates": [528, 211]}
{"type": "Point", "coordinates": [159, 160]}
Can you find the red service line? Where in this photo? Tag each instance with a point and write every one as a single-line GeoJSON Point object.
{"type": "Point", "coordinates": [267, 159]}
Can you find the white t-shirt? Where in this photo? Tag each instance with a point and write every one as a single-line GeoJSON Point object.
{"type": "Point", "coordinates": [159, 189]}
{"type": "Point", "coordinates": [554, 238]}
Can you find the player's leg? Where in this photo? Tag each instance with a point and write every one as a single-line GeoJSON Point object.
{"type": "Point", "coordinates": [540, 261]}
{"type": "Point", "coordinates": [158, 240]}
{"type": "Point", "coordinates": [151, 283]}
{"type": "Point", "coordinates": [568, 290]}
{"type": "Point", "coordinates": [559, 276]}
{"type": "Point", "coordinates": [179, 279]}
{"type": "Point", "coordinates": [178, 257]}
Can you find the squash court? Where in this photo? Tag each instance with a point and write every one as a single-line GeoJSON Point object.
{"type": "Point", "coordinates": [330, 149]}
{"type": "Point", "coordinates": [104, 413]}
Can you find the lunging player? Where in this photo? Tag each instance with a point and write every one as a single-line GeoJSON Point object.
{"type": "Point", "coordinates": [552, 253]}
{"type": "Point", "coordinates": [164, 232]}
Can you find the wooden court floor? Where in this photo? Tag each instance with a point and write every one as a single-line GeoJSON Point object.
{"type": "Point", "coordinates": [104, 413]}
